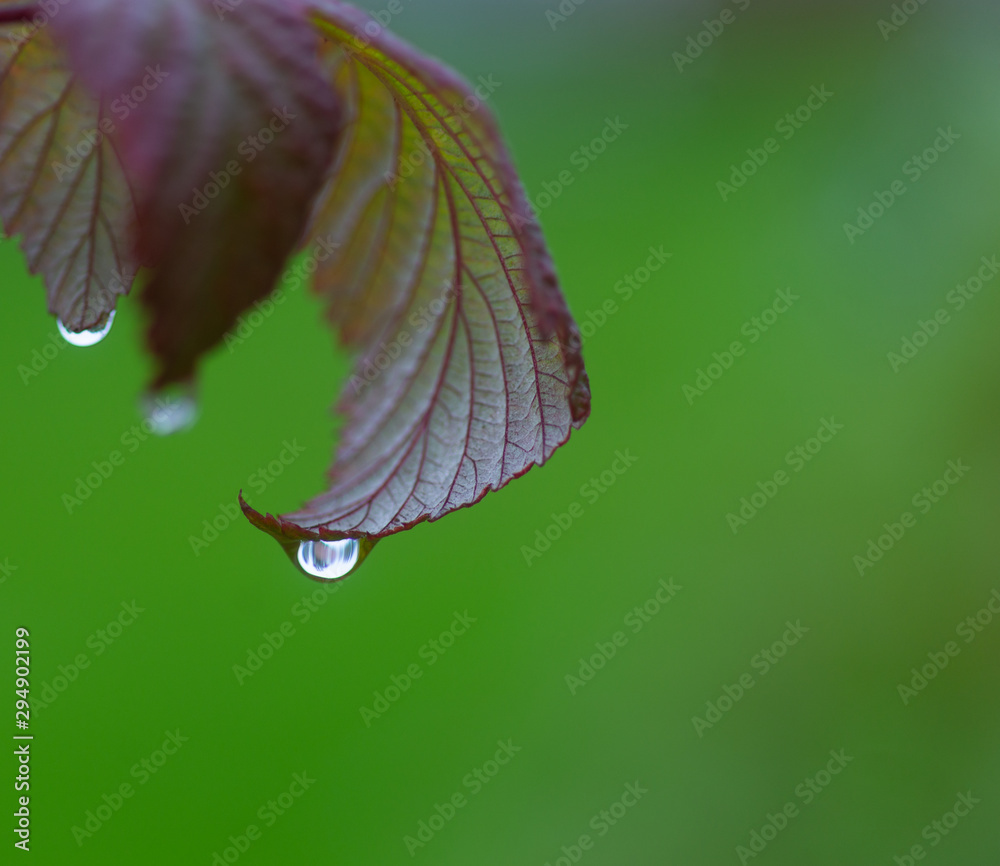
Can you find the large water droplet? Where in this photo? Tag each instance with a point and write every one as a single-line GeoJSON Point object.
{"type": "Point", "coordinates": [167, 413]}
{"type": "Point", "coordinates": [87, 338]}
{"type": "Point", "coordinates": [329, 560]}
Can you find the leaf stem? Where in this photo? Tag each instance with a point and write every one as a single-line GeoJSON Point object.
{"type": "Point", "coordinates": [23, 12]}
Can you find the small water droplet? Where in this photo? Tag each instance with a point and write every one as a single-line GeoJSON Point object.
{"type": "Point", "coordinates": [87, 338]}
{"type": "Point", "coordinates": [329, 560]}
{"type": "Point", "coordinates": [168, 413]}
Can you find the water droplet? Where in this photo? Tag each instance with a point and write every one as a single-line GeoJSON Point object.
{"type": "Point", "coordinates": [167, 413]}
{"type": "Point", "coordinates": [329, 560]}
{"type": "Point", "coordinates": [87, 338]}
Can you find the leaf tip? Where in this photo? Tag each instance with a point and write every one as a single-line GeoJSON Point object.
{"type": "Point", "coordinates": [292, 537]}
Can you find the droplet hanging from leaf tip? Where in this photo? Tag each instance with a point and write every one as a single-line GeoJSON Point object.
{"type": "Point", "coordinates": [83, 339]}
{"type": "Point", "coordinates": [170, 411]}
{"type": "Point", "coordinates": [329, 560]}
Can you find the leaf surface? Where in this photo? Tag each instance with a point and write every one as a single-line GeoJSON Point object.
{"type": "Point", "coordinates": [62, 187]}
{"type": "Point", "coordinates": [226, 130]}
{"type": "Point", "coordinates": [469, 370]}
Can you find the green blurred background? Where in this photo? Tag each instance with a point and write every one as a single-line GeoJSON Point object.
{"type": "Point", "coordinates": [709, 789]}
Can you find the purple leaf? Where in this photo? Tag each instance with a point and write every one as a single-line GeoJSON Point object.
{"type": "Point", "coordinates": [230, 133]}
{"type": "Point", "coordinates": [61, 184]}
{"type": "Point", "coordinates": [226, 128]}
{"type": "Point", "coordinates": [469, 369]}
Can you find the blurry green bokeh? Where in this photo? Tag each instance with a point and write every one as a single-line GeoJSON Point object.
{"type": "Point", "coordinates": [858, 630]}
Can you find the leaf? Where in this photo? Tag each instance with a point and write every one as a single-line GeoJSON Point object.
{"type": "Point", "coordinates": [226, 128]}
{"type": "Point", "coordinates": [469, 369]}
{"type": "Point", "coordinates": [243, 126]}
{"type": "Point", "coordinates": [62, 187]}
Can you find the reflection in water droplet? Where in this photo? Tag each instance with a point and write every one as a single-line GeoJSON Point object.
{"type": "Point", "coordinates": [87, 338]}
{"type": "Point", "coordinates": [168, 413]}
{"type": "Point", "coordinates": [329, 560]}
